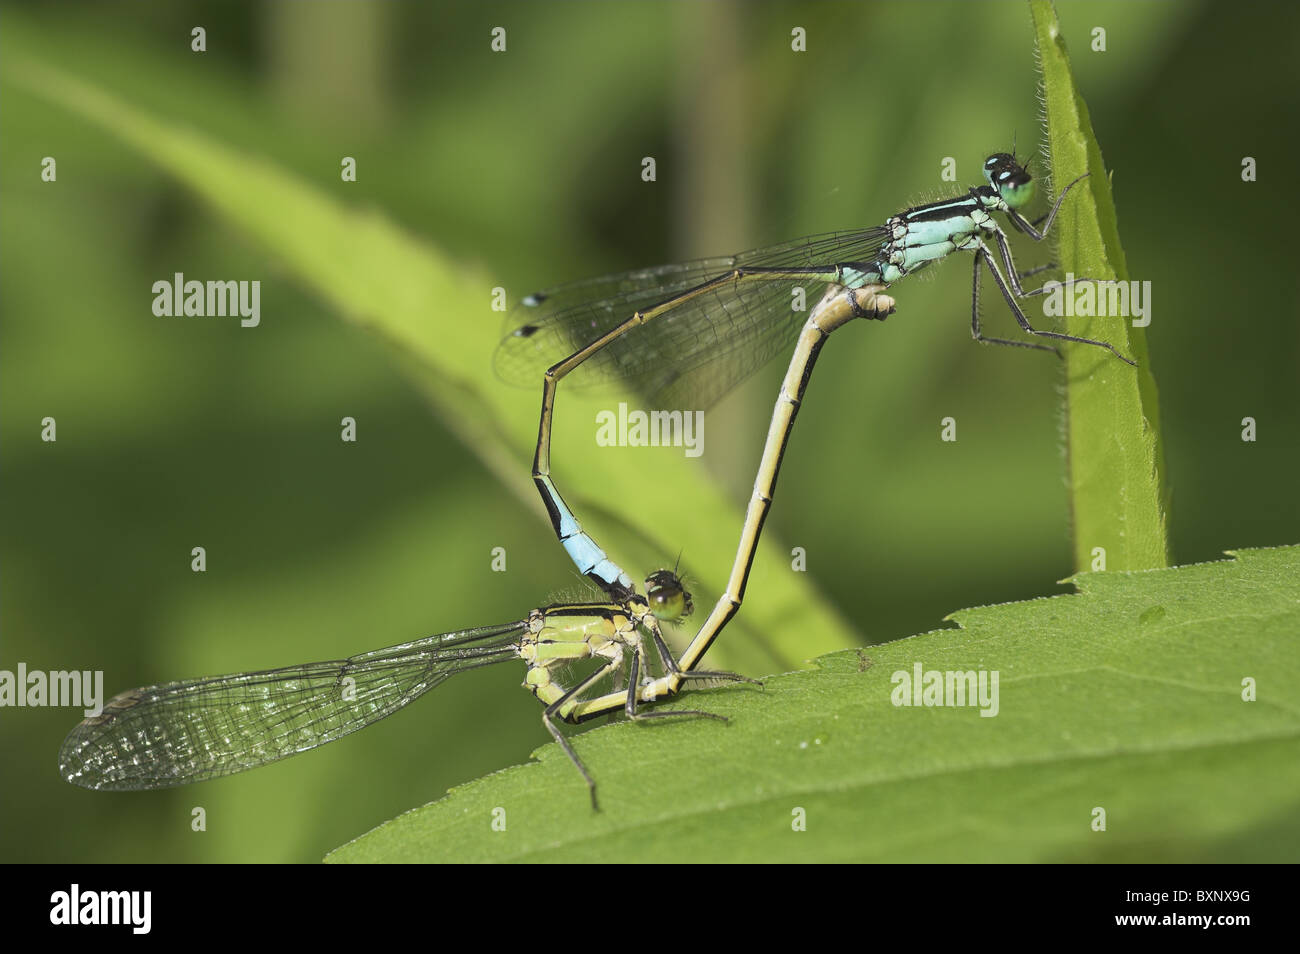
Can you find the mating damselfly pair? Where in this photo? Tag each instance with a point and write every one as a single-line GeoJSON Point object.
{"type": "Point", "coordinates": [682, 333]}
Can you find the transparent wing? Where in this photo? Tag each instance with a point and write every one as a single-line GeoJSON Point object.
{"type": "Point", "coordinates": [188, 731]}
{"type": "Point", "coordinates": [698, 350]}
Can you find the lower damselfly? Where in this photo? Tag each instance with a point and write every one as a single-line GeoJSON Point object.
{"type": "Point", "coordinates": [181, 732]}
{"type": "Point", "coordinates": [683, 335]}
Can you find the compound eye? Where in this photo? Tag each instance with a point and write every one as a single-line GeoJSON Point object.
{"type": "Point", "coordinates": [666, 605]}
{"type": "Point", "coordinates": [1017, 190]}
{"type": "Point", "coordinates": [667, 596]}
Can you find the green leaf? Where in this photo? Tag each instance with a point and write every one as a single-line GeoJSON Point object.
{"type": "Point", "coordinates": [436, 313]}
{"type": "Point", "coordinates": [1127, 697]}
{"type": "Point", "coordinates": [1115, 454]}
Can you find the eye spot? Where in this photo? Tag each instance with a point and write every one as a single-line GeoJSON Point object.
{"type": "Point", "coordinates": [526, 331]}
{"type": "Point", "coordinates": [533, 300]}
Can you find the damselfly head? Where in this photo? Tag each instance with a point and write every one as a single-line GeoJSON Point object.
{"type": "Point", "coordinates": [1011, 180]}
{"type": "Point", "coordinates": [668, 596]}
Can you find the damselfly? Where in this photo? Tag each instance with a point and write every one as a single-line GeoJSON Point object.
{"type": "Point", "coordinates": [181, 732]}
{"type": "Point", "coordinates": [683, 335]}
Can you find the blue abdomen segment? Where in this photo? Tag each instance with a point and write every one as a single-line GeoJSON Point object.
{"type": "Point", "coordinates": [592, 561]}
{"type": "Point", "coordinates": [589, 558]}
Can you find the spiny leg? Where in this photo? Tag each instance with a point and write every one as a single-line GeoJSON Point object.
{"type": "Point", "coordinates": [634, 677]}
{"type": "Point", "coordinates": [1028, 227]}
{"type": "Point", "coordinates": [670, 665]}
{"type": "Point", "coordinates": [1038, 270]}
{"type": "Point", "coordinates": [547, 720]}
{"type": "Point", "coordinates": [983, 253]}
{"type": "Point", "coordinates": [1004, 247]}
{"type": "Point", "coordinates": [975, 320]}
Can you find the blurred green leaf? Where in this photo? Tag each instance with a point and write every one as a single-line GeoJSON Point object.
{"type": "Point", "coordinates": [1127, 697]}
{"type": "Point", "coordinates": [437, 315]}
{"type": "Point", "coordinates": [1115, 454]}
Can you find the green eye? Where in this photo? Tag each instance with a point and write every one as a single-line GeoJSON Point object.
{"type": "Point", "coordinates": [668, 598]}
{"type": "Point", "coordinates": [1017, 195]}
{"type": "Point", "coordinates": [667, 605]}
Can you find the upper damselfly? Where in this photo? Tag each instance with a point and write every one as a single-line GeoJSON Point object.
{"type": "Point", "coordinates": [683, 335]}
{"type": "Point", "coordinates": [180, 732]}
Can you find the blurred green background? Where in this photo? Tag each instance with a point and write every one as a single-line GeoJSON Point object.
{"type": "Point", "coordinates": [525, 167]}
